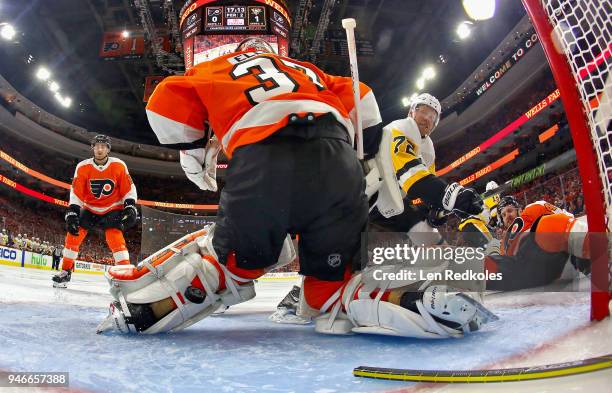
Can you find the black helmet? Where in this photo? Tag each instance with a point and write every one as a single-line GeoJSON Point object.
{"type": "Point", "coordinates": [256, 43]}
{"type": "Point", "coordinates": [506, 201]}
{"type": "Point", "coordinates": [101, 139]}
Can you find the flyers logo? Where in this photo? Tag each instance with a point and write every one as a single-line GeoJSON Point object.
{"type": "Point", "coordinates": [514, 230]}
{"type": "Point", "coordinates": [101, 187]}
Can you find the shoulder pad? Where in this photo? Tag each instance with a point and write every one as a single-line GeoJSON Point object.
{"type": "Point", "coordinates": [408, 127]}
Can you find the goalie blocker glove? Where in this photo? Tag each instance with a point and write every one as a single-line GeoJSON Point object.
{"type": "Point", "coordinates": [72, 219]}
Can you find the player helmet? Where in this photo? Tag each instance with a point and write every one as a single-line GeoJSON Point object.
{"type": "Point", "coordinates": [491, 185]}
{"type": "Point", "coordinates": [101, 139]}
{"type": "Point", "coordinates": [430, 101]}
{"type": "Point", "coordinates": [508, 200]}
{"type": "Point", "coordinates": [255, 43]}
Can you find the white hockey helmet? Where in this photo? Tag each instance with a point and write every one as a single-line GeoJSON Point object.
{"type": "Point", "coordinates": [430, 101]}
{"type": "Point", "coordinates": [491, 185]}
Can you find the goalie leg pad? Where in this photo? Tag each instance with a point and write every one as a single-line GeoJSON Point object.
{"type": "Point", "coordinates": [166, 281]}
{"type": "Point", "coordinates": [400, 308]}
{"type": "Point", "coordinates": [388, 319]}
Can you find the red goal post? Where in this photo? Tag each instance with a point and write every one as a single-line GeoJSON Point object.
{"type": "Point", "coordinates": [576, 37]}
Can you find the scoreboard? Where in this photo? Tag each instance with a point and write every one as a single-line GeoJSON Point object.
{"type": "Point", "coordinates": [210, 28]}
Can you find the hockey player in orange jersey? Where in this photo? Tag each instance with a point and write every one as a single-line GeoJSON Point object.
{"type": "Point", "coordinates": [102, 195]}
{"type": "Point", "coordinates": [537, 242]}
{"type": "Point", "coordinates": [286, 127]}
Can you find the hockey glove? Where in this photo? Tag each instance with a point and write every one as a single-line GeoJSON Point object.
{"type": "Point", "coordinates": [129, 214]}
{"type": "Point", "coordinates": [72, 219]}
{"type": "Point", "coordinates": [437, 217]}
{"type": "Point", "coordinates": [200, 165]}
{"type": "Point", "coordinates": [464, 202]}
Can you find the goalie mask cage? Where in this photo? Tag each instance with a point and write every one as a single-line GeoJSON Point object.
{"type": "Point", "coordinates": [576, 37]}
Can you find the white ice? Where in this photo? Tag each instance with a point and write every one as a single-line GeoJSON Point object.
{"type": "Point", "coordinates": [47, 329]}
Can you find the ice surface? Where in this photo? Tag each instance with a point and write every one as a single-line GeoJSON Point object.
{"type": "Point", "coordinates": [47, 329]}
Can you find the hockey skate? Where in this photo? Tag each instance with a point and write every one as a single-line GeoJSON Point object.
{"type": "Point", "coordinates": [287, 309]}
{"type": "Point", "coordinates": [61, 279]}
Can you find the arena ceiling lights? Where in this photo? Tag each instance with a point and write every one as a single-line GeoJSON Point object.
{"type": "Point", "coordinates": [479, 9]}
{"type": "Point", "coordinates": [54, 86]}
{"type": "Point", "coordinates": [43, 74]}
{"type": "Point", "coordinates": [7, 31]}
{"type": "Point", "coordinates": [464, 29]}
{"type": "Point", "coordinates": [428, 73]}
{"type": "Point", "coordinates": [406, 101]}
{"type": "Point", "coordinates": [64, 101]}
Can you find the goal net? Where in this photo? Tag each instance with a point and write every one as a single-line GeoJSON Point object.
{"type": "Point", "coordinates": [160, 228]}
{"type": "Point", "coordinates": [577, 39]}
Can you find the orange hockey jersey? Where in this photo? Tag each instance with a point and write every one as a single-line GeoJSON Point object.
{"type": "Point", "coordinates": [523, 224]}
{"type": "Point", "coordinates": [245, 97]}
{"type": "Point", "coordinates": [536, 248]}
{"type": "Point", "coordinates": [101, 189]}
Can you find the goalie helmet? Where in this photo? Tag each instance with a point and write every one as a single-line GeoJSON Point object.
{"type": "Point", "coordinates": [101, 139]}
{"type": "Point", "coordinates": [255, 43]}
{"type": "Point", "coordinates": [430, 101]}
{"type": "Point", "coordinates": [456, 309]}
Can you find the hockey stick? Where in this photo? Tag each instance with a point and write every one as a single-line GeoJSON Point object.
{"type": "Point", "coordinates": [349, 25]}
{"type": "Point", "coordinates": [495, 375]}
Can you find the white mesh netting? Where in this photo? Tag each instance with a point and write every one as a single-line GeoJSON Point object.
{"type": "Point", "coordinates": [582, 30]}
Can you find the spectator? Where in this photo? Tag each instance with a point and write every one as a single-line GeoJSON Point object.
{"type": "Point", "coordinates": [578, 206]}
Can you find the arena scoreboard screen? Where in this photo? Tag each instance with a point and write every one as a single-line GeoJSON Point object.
{"type": "Point", "coordinates": [212, 28]}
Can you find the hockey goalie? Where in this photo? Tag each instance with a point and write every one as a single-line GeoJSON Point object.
{"type": "Point", "coordinates": [183, 283]}
{"type": "Point", "coordinates": [293, 171]}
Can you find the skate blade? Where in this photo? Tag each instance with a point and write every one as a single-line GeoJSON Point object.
{"type": "Point", "coordinates": [60, 285]}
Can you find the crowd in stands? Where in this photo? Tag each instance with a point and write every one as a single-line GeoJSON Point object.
{"type": "Point", "coordinates": [487, 127]}
{"type": "Point", "coordinates": [20, 242]}
{"type": "Point", "coordinates": [25, 218]}
{"type": "Point", "coordinates": [563, 190]}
